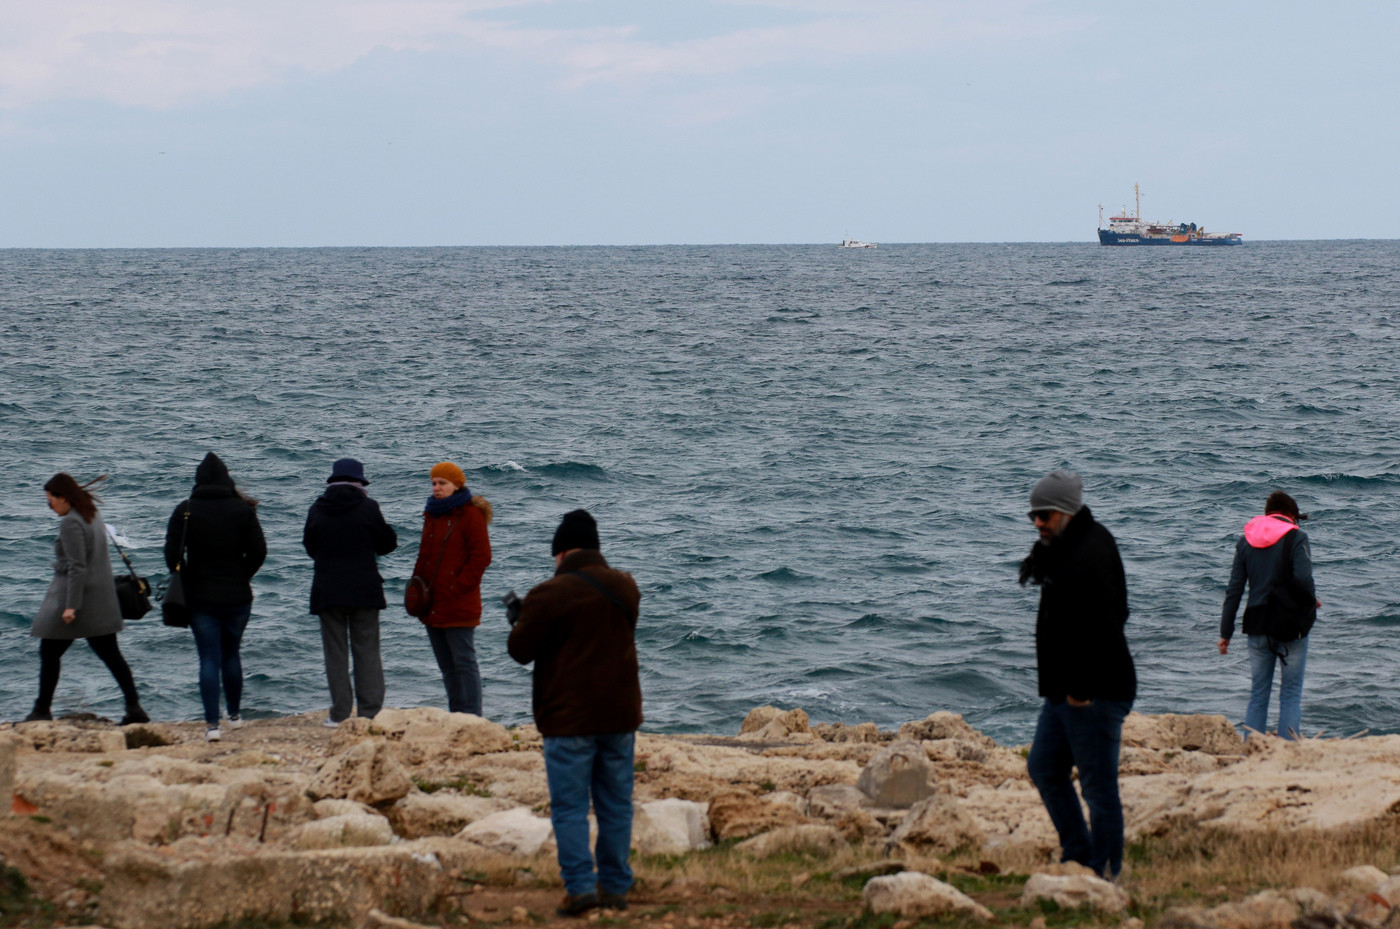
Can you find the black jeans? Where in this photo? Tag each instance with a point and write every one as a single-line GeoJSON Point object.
{"type": "Point", "coordinates": [51, 653]}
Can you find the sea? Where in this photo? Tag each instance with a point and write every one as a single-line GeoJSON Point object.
{"type": "Point", "coordinates": [814, 461]}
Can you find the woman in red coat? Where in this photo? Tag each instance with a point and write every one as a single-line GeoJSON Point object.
{"type": "Point", "coordinates": [452, 556]}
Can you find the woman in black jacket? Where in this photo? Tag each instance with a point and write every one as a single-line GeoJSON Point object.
{"type": "Point", "coordinates": [223, 548]}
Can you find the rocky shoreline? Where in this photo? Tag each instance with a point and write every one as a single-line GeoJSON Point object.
{"type": "Point", "coordinates": [422, 815]}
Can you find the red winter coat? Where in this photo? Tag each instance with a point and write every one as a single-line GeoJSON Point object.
{"type": "Point", "coordinates": [457, 584]}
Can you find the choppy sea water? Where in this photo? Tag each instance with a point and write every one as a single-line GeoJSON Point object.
{"type": "Point", "coordinates": [814, 461]}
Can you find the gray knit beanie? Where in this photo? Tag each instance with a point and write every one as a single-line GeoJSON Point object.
{"type": "Point", "coordinates": [1058, 490]}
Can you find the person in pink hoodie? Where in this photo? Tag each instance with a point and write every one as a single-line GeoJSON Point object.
{"type": "Point", "coordinates": [1272, 552]}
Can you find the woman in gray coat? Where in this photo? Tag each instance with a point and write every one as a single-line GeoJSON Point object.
{"type": "Point", "coordinates": [82, 600]}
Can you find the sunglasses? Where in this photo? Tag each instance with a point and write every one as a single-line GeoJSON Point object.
{"type": "Point", "coordinates": [1040, 516]}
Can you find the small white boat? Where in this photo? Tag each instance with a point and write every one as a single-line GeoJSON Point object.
{"type": "Point", "coordinates": [857, 243]}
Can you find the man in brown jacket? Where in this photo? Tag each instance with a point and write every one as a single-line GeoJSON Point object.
{"type": "Point", "coordinates": [577, 627]}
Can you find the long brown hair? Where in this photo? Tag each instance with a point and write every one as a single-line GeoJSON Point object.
{"type": "Point", "coordinates": [79, 496]}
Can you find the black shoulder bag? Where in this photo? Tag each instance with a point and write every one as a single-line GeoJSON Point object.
{"type": "Point", "coordinates": [133, 591]}
{"type": "Point", "coordinates": [174, 611]}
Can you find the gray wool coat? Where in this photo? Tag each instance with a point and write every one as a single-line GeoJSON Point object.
{"type": "Point", "coordinates": [82, 579]}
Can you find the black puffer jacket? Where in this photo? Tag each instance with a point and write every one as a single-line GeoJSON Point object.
{"type": "Point", "coordinates": [345, 532]}
{"type": "Point", "coordinates": [1080, 648]}
{"type": "Point", "coordinates": [224, 544]}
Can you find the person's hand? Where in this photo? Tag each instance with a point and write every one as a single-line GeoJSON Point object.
{"type": "Point", "coordinates": [1224, 646]}
{"type": "Point", "coordinates": [1073, 702]}
{"type": "Point", "coordinates": [1318, 602]}
{"type": "Point", "coordinates": [69, 615]}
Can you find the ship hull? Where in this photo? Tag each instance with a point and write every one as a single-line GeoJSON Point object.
{"type": "Point", "coordinates": [1108, 237]}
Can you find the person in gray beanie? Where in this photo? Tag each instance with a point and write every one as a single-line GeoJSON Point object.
{"type": "Point", "coordinates": [1085, 670]}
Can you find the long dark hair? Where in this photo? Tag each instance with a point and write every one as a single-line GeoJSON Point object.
{"type": "Point", "coordinates": [79, 496]}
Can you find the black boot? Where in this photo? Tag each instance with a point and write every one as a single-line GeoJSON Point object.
{"type": "Point", "coordinates": [38, 714]}
{"type": "Point", "coordinates": [134, 714]}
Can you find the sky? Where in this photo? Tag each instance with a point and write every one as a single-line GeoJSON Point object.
{"type": "Point", "coordinates": [193, 123]}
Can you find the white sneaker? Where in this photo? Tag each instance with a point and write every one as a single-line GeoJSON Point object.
{"type": "Point", "coordinates": [235, 722]}
{"type": "Point", "coordinates": [212, 734]}
{"type": "Point", "coordinates": [330, 723]}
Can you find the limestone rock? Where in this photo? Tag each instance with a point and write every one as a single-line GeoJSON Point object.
{"type": "Point", "coordinates": [61, 736]}
{"type": "Point", "coordinates": [808, 839]}
{"type": "Point", "coordinates": [325, 809]}
{"type": "Point", "coordinates": [770, 724]}
{"type": "Point", "coordinates": [863, 733]}
{"type": "Point", "coordinates": [834, 800]}
{"type": "Point", "coordinates": [202, 883]}
{"type": "Point", "coordinates": [1075, 890]}
{"type": "Point", "coordinates": [912, 894]}
{"type": "Point", "coordinates": [1198, 733]}
{"type": "Point", "coordinates": [1267, 910]}
{"type": "Point", "coordinates": [738, 815]}
{"type": "Point", "coordinates": [1365, 878]}
{"type": "Point", "coordinates": [943, 725]}
{"type": "Point", "coordinates": [429, 735]}
{"type": "Point", "coordinates": [899, 776]}
{"type": "Point", "coordinates": [670, 827]}
{"type": "Point", "coordinates": [7, 770]}
{"type": "Point", "coordinates": [349, 830]}
{"type": "Point", "coordinates": [368, 773]}
{"type": "Point", "coordinates": [938, 825]}
{"type": "Point", "coordinates": [1389, 889]}
{"type": "Point", "coordinates": [420, 814]}
{"type": "Point", "coordinates": [516, 832]}
{"type": "Point", "coordinates": [378, 919]}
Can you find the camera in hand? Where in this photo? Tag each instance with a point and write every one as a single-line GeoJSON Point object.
{"type": "Point", "coordinates": [512, 605]}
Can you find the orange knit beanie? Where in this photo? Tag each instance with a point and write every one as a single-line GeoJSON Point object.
{"type": "Point", "coordinates": [449, 471]}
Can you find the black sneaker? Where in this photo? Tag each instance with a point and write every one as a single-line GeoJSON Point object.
{"type": "Point", "coordinates": [612, 901]}
{"type": "Point", "coordinates": [37, 715]}
{"type": "Point", "coordinates": [578, 904]}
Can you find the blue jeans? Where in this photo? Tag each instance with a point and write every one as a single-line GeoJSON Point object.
{"type": "Point", "coordinates": [1087, 738]}
{"type": "Point", "coordinates": [456, 658]}
{"type": "Point", "coordinates": [218, 633]}
{"type": "Point", "coordinates": [1290, 690]}
{"type": "Point", "coordinates": [600, 765]}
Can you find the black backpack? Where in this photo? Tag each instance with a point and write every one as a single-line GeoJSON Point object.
{"type": "Point", "coordinates": [1290, 611]}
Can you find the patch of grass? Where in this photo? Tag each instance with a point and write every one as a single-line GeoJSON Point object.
{"type": "Point", "coordinates": [141, 737]}
{"type": "Point", "coordinates": [105, 763]}
{"type": "Point", "coordinates": [40, 819]}
{"type": "Point", "coordinates": [18, 905]}
{"type": "Point", "coordinates": [640, 766]}
{"type": "Point", "coordinates": [774, 918]}
{"type": "Point", "coordinates": [767, 786]}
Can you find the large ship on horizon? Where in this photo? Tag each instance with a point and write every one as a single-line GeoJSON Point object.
{"type": "Point", "coordinates": [1134, 230]}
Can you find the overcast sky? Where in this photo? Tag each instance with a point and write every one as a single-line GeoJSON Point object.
{"type": "Point", "coordinates": [576, 122]}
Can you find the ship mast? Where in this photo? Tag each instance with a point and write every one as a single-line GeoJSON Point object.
{"type": "Point", "coordinates": [1137, 203]}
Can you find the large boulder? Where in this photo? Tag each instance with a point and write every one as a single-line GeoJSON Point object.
{"type": "Point", "coordinates": [1366, 878]}
{"type": "Point", "coordinates": [819, 841]}
{"type": "Point", "coordinates": [912, 894]}
{"type": "Point", "coordinates": [670, 827]}
{"type": "Point", "coordinates": [419, 814]}
{"type": "Point", "coordinates": [944, 725]}
{"type": "Point", "coordinates": [938, 825]}
{"type": "Point", "coordinates": [369, 773]}
{"type": "Point", "coordinates": [516, 832]}
{"type": "Point", "coordinates": [899, 776]}
{"type": "Point", "coordinates": [1075, 890]}
{"type": "Point", "coordinates": [1267, 910]}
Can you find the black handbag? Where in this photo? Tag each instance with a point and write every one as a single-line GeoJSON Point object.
{"type": "Point", "coordinates": [174, 611]}
{"type": "Point", "coordinates": [133, 591]}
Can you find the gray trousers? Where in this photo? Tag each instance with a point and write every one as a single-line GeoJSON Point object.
{"type": "Point", "coordinates": [345, 632]}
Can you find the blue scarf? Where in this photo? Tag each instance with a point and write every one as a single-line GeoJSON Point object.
{"type": "Point", "coordinates": [446, 505]}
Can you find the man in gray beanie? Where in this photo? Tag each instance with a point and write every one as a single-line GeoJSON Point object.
{"type": "Point", "coordinates": [1086, 673]}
